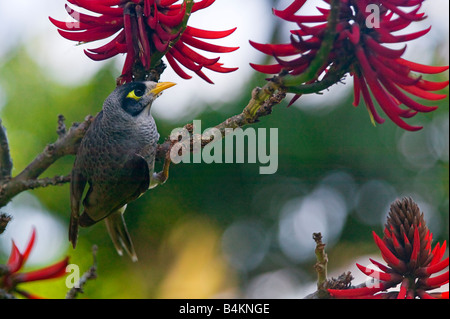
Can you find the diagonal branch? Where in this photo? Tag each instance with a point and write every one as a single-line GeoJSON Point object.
{"type": "Point", "coordinates": [261, 104]}
{"type": "Point", "coordinates": [66, 144]}
{"type": "Point", "coordinates": [90, 274]}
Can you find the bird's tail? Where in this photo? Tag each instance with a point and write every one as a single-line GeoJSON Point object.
{"type": "Point", "coordinates": [73, 230]}
{"type": "Point", "coordinates": [120, 237]}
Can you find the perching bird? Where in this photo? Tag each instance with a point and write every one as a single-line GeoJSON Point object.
{"type": "Point", "coordinates": [116, 158]}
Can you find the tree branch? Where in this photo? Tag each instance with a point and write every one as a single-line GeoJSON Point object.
{"type": "Point", "coordinates": [66, 144]}
{"type": "Point", "coordinates": [322, 261]}
{"type": "Point", "coordinates": [323, 283]}
{"type": "Point", "coordinates": [4, 220]}
{"type": "Point", "coordinates": [90, 274]}
{"type": "Point", "coordinates": [6, 164]}
{"type": "Point", "coordinates": [261, 104]}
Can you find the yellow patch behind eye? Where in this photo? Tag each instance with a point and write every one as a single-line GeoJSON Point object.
{"type": "Point", "coordinates": [132, 95]}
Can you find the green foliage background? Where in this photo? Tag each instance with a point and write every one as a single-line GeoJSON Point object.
{"type": "Point", "coordinates": [177, 228]}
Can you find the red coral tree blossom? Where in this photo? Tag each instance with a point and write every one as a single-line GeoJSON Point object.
{"type": "Point", "coordinates": [348, 37]}
{"type": "Point", "coordinates": [411, 261]}
{"type": "Point", "coordinates": [12, 277]}
{"type": "Point", "coordinates": [146, 30]}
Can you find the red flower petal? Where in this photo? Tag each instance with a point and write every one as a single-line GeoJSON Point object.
{"type": "Point", "coordinates": [356, 90]}
{"type": "Point", "coordinates": [194, 56]}
{"type": "Point", "coordinates": [217, 67]}
{"type": "Point", "coordinates": [431, 86]}
{"type": "Point", "coordinates": [416, 245]}
{"type": "Point", "coordinates": [381, 266]}
{"type": "Point", "coordinates": [421, 68]}
{"type": "Point", "coordinates": [435, 281]}
{"type": "Point", "coordinates": [146, 28]}
{"type": "Point", "coordinates": [427, 271]}
{"type": "Point", "coordinates": [289, 11]}
{"type": "Point", "coordinates": [15, 261]}
{"type": "Point", "coordinates": [392, 277]}
{"type": "Point", "coordinates": [381, 50]}
{"type": "Point", "coordinates": [172, 20]}
{"type": "Point", "coordinates": [90, 35]}
{"type": "Point", "coordinates": [94, 6]}
{"type": "Point", "coordinates": [369, 103]}
{"type": "Point", "coordinates": [53, 271]}
{"type": "Point", "coordinates": [438, 252]}
{"type": "Point", "coordinates": [267, 69]}
{"type": "Point", "coordinates": [387, 255]}
{"type": "Point", "coordinates": [206, 34]}
{"type": "Point", "coordinates": [403, 289]}
{"type": "Point", "coordinates": [30, 245]}
{"type": "Point", "coordinates": [422, 294]}
{"type": "Point", "coordinates": [188, 39]}
{"type": "Point", "coordinates": [176, 67]}
{"type": "Point", "coordinates": [355, 292]}
{"type": "Point", "coordinates": [275, 49]}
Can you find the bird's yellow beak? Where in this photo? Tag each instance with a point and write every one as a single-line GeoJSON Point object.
{"type": "Point", "coordinates": [161, 87]}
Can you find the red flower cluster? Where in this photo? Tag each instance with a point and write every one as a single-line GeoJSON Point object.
{"type": "Point", "coordinates": [406, 248]}
{"type": "Point", "coordinates": [146, 30]}
{"type": "Point", "coordinates": [358, 48]}
{"type": "Point", "coordinates": [12, 277]}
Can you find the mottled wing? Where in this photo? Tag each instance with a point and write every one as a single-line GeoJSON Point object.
{"type": "Point", "coordinates": [129, 183]}
{"type": "Point", "coordinates": [77, 185]}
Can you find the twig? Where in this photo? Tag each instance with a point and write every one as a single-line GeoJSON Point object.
{"type": "Point", "coordinates": [66, 144]}
{"type": "Point", "coordinates": [344, 281]}
{"type": "Point", "coordinates": [44, 182]}
{"type": "Point", "coordinates": [88, 275]}
{"type": "Point", "coordinates": [322, 261]}
{"type": "Point", "coordinates": [6, 164]}
{"type": "Point", "coordinates": [261, 104]}
{"type": "Point", "coordinates": [4, 220]}
{"type": "Point", "coordinates": [61, 131]}
{"type": "Point", "coordinates": [323, 284]}
{"type": "Point", "coordinates": [321, 269]}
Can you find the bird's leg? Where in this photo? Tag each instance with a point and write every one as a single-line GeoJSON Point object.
{"type": "Point", "coordinates": [161, 177]}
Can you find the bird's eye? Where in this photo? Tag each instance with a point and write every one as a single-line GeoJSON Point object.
{"type": "Point", "coordinates": [136, 94]}
{"type": "Point", "coordinates": [139, 92]}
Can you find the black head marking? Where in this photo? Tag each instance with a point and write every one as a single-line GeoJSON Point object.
{"type": "Point", "coordinates": [132, 98]}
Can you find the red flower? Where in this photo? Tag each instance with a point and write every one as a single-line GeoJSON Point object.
{"type": "Point", "coordinates": [11, 278]}
{"type": "Point", "coordinates": [146, 30]}
{"type": "Point", "coordinates": [406, 248]}
{"type": "Point", "coordinates": [356, 46]}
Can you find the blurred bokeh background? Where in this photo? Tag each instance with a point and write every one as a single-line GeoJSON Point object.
{"type": "Point", "coordinates": [220, 230]}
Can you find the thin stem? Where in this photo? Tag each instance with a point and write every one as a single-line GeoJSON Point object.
{"type": "Point", "coordinates": [321, 58]}
{"type": "Point", "coordinates": [330, 79]}
{"type": "Point", "coordinates": [65, 145]}
{"type": "Point", "coordinates": [88, 275]}
{"type": "Point", "coordinates": [261, 104]}
{"type": "Point", "coordinates": [322, 261]}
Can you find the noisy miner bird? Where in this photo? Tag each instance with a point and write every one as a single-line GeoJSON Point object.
{"type": "Point", "coordinates": [116, 159]}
